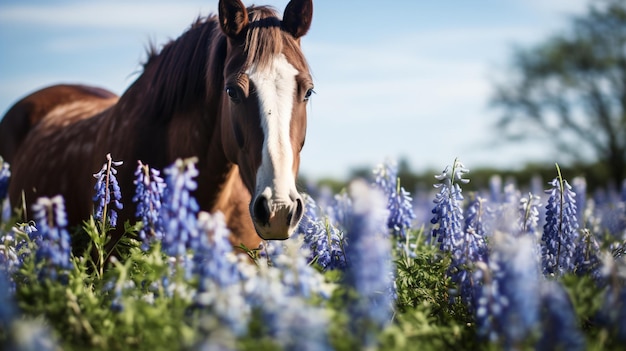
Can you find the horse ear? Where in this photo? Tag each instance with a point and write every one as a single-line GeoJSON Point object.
{"type": "Point", "coordinates": [233, 17]}
{"type": "Point", "coordinates": [297, 17]}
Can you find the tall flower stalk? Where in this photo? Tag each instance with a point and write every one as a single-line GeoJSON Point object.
{"type": "Point", "coordinates": [529, 215]}
{"type": "Point", "coordinates": [52, 239]}
{"type": "Point", "coordinates": [278, 291]}
{"type": "Point", "coordinates": [108, 192]}
{"type": "Point", "coordinates": [471, 249]}
{"type": "Point", "coordinates": [369, 262]}
{"type": "Point", "coordinates": [507, 303]}
{"type": "Point", "coordinates": [561, 229]}
{"type": "Point", "coordinates": [149, 188]}
{"type": "Point", "coordinates": [399, 201]}
{"type": "Point", "coordinates": [323, 240]}
{"type": "Point", "coordinates": [180, 208]}
{"type": "Point", "coordinates": [5, 176]}
{"type": "Point", "coordinates": [220, 284]}
{"type": "Point", "coordinates": [448, 211]}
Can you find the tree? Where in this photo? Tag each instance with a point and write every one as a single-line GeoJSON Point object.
{"type": "Point", "coordinates": [572, 89]}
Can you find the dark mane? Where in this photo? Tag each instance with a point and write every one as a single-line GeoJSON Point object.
{"type": "Point", "coordinates": [152, 51]}
{"type": "Point", "coordinates": [177, 73]}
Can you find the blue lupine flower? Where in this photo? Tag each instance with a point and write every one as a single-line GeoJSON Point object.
{"type": "Point", "coordinates": [107, 192]}
{"type": "Point", "coordinates": [537, 185]}
{"type": "Point", "coordinates": [386, 177]}
{"type": "Point", "coordinates": [529, 215]}
{"type": "Point", "coordinates": [323, 240]}
{"type": "Point", "coordinates": [559, 327]}
{"type": "Point", "coordinates": [579, 186]}
{"type": "Point", "coordinates": [9, 259]}
{"type": "Point", "coordinates": [14, 248]}
{"type": "Point", "coordinates": [467, 251]}
{"type": "Point", "coordinates": [52, 239]}
{"type": "Point", "coordinates": [298, 277]}
{"type": "Point", "coordinates": [477, 219]}
{"type": "Point", "coordinates": [302, 327]}
{"type": "Point", "coordinates": [116, 304]}
{"type": "Point", "coordinates": [507, 305]}
{"type": "Point", "coordinates": [219, 279]}
{"type": "Point", "coordinates": [148, 194]}
{"type": "Point", "coordinates": [507, 211]}
{"type": "Point", "coordinates": [612, 313]}
{"type": "Point", "coordinates": [339, 211]}
{"type": "Point", "coordinates": [495, 189]}
{"type": "Point", "coordinates": [116, 287]}
{"type": "Point", "coordinates": [212, 259]}
{"type": "Point", "coordinates": [369, 260]}
{"type": "Point", "coordinates": [290, 321]}
{"type": "Point", "coordinates": [5, 176]}
{"type": "Point", "coordinates": [609, 214]}
{"type": "Point", "coordinates": [7, 304]}
{"type": "Point", "coordinates": [276, 293]}
{"type": "Point", "coordinates": [561, 229]}
{"type": "Point", "coordinates": [401, 214]}
{"type": "Point", "coordinates": [34, 334]}
{"type": "Point", "coordinates": [586, 256]}
{"type": "Point", "coordinates": [399, 201]}
{"type": "Point", "coordinates": [448, 211]}
{"type": "Point", "coordinates": [180, 208]}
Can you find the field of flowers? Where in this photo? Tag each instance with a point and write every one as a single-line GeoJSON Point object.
{"type": "Point", "coordinates": [371, 267]}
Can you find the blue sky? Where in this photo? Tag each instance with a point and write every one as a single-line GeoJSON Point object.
{"type": "Point", "coordinates": [404, 79]}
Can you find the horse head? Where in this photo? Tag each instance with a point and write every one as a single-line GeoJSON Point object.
{"type": "Point", "coordinates": [267, 84]}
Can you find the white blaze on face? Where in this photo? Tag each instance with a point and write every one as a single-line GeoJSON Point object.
{"type": "Point", "coordinates": [275, 87]}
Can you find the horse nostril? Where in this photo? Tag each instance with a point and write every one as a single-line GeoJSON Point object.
{"type": "Point", "coordinates": [299, 209]}
{"type": "Point", "coordinates": [297, 214]}
{"type": "Point", "coordinates": [262, 210]}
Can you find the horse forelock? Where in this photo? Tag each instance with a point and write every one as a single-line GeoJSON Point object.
{"type": "Point", "coordinates": [265, 40]}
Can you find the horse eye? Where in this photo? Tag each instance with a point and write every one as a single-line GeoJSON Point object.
{"type": "Point", "coordinates": [232, 94]}
{"type": "Point", "coordinates": [308, 94]}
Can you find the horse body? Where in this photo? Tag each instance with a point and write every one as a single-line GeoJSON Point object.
{"type": "Point", "coordinates": [230, 91]}
{"type": "Point", "coordinates": [28, 112]}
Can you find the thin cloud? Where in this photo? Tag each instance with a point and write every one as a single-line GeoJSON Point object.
{"type": "Point", "coordinates": [102, 15]}
{"type": "Point", "coordinates": [561, 7]}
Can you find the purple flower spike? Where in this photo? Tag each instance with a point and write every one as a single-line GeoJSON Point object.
{"type": "Point", "coordinates": [148, 194]}
{"type": "Point", "coordinates": [107, 192]}
{"type": "Point", "coordinates": [369, 259]}
{"type": "Point", "coordinates": [448, 210]}
{"type": "Point", "coordinates": [324, 241]}
{"type": "Point", "coordinates": [560, 232]}
{"type": "Point", "coordinates": [180, 208]}
{"type": "Point", "coordinates": [52, 239]}
{"type": "Point", "coordinates": [399, 201]}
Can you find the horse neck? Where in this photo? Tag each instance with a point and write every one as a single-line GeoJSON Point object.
{"type": "Point", "coordinates": [171, 110]}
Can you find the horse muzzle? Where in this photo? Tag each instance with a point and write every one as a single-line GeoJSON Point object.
{"type": "Point", "coordinates": [276, 218]}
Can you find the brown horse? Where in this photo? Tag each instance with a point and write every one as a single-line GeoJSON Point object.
{"type": "Point", "coordinates": [232, 91]}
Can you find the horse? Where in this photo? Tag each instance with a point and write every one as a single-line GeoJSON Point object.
{"type": "Point", "coordinates": [232, 91]}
